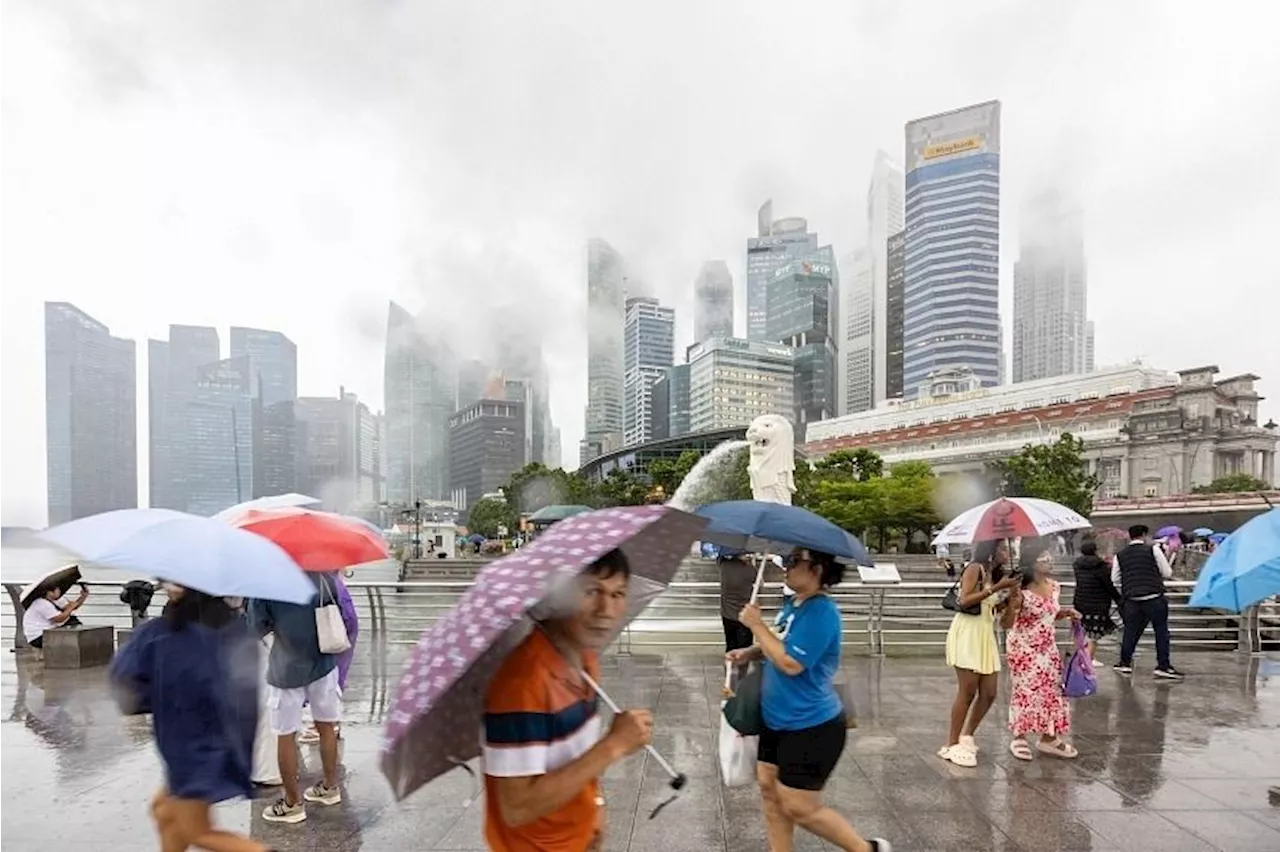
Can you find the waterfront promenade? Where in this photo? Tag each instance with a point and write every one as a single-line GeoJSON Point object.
{"type": "Point", "coordinates": [1167, 767]}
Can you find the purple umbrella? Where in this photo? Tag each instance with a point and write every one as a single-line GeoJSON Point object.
{"type": "Point", "coordinates": [441, 692]}
{"type": "Point", "coordinates": [1165, 532]}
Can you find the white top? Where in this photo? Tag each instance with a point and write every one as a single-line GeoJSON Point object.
{"type": "Point", "coordinates": [1162, 563]}
{"type": "Point", "coordinates": [941, 550]}
{"type": "Point", "coordinates": [39, 618]}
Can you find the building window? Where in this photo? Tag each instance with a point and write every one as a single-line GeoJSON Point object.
{"type": "Point", "coordinates": [1149, 491]}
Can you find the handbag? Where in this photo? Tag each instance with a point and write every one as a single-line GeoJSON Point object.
{"type": "Point", "coordinates": [738, 754]}
{"type": "Point", "coordinates": [742, 710]}
{"type": "Point", "coordinates": [330, 630]}
{"type": "Point", "coordinates": [844, 689]}
{"type": "Point", "coordinates": [1080, 679]}
{"type": "Point", "coordinates": [951, 600]}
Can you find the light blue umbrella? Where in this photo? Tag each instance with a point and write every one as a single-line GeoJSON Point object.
{"type": "Point", "coordinates": [1203, 532]}
{"type": "Point", "coordinates": [197, 553]}
{"type": "Point", "coordinates": [1244, 568]}
{"type": "Point", "coordinates": [757, 525]}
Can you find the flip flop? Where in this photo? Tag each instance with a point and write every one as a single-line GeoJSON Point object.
{"type": "Point", "coordinates": [1057, 748]}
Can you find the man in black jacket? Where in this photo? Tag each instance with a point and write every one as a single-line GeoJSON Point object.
{"type": "Point", "coordinates": [1139, 572]}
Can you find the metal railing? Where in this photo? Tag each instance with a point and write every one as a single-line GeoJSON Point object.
{"type": "Point", "coordinates": [879, 620]}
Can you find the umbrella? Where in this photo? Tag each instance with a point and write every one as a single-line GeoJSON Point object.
{"type": "Point", "coordinates": [440, 699]}
{"type": "Point", "coordinates": [1010, 517]}
{"type": "Point", "coordinates": [1165, 532]}
{"type": "Point", "coordinates": [757, 525]}
{"type": "Point", "coordinates": [551, 514]}
{"type": "Point", "coordinates": [317, 541]}
{"type": "Point", "coordinates": [1244, 569]}
{"type": "Point", "coordinates": [291, 500]}
{"type": "Point", "coordinates": [476, 538]}
{"type": "Point", "coordinates": [195, 552]}
{"type": "Point", "coordinates": [1203, 532]}
{"type": "Point", "coordinates": [59, 578]}
{"type": "Point", "coordinates": [1218, 537]}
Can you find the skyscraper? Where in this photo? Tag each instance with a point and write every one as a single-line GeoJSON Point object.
{"type": "Point", "coordinates": [802, 311]}
{"type": "Point", "coordinates": [895, 261]}
{"type": "Point", "coordinates": [649, 349]}
{"type": "Point", "coordinates": [486, 446]}
{"type": "Point", "coordinates": [951, 294]}
{"type": "Point", "coordinates": [733, 381]}
{"type": "Point", "coordinates": [606, 277]}
{"type": "Point", "coordinates": [1052, 335]}
{"type": "Point", "coordinates": [91, 444]}
{"type": "Point", "coordinates": [713, 301]}
{"type": "Point", "coordinates": [670, 404]}
{"type": "Point", "coordinates": [338, 451]}
{"type": "Point", "coordinates": [420, 392]}
{"type": "Point", "coordinates": [273, 365]}
{"type": "Point", "coordinates": [777, 243]}
{"type": "Point", "coordinates": [215, 419]}
{"type": "Point", "coordinates": [174, 369]}
{"type": "Point", "coordinates": [855, 383]}
{"type": "Point", "coordinates": [884, 219]}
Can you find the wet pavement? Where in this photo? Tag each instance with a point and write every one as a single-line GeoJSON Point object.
{"type": "Point", "coordinates": [1170, 767]}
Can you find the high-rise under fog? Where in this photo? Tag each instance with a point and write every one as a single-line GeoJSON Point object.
{"type": "Point", "coordinates": [713, 301]}
{"type": "Point", "coordinates": [1052, 333]}
{"type": "Point", "coordinates": [606, 280]}
{"type": "Point", "coordinates": [777, 243]}
{"type": "Point", "coordinates": [420, 395]}
{"type": "Point", "coordinates": [952, 299]}
{"type": "Point", "coordinates": [91, 442]}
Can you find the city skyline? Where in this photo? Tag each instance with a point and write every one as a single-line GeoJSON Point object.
{"type": "Point", "coordinates": [285, 191]}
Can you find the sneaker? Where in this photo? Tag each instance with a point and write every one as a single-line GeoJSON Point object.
{"type": "Point", "coordinates": [282, 811]}
{"type": "Point", "coordinates": [968, 742]}
{"type": "Point", "coordinates": [309, 735]}
{"type": "Point", "coordinates": [1169, 673]}
{"type": "Point", "coordinates": [322, 795]}
{"type": "Point", "coordinates": [879, 844]}
{"type": "Point", "coordinates": [1123, 668]}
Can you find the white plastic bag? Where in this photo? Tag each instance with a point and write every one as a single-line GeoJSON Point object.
{"type": "Point", "coordinates": [330, 630]}
{"type": "Point", "coordinates": [737, 756]}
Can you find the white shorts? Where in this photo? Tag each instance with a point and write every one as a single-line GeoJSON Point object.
{"type": "Point", "coordinates": [284, 706]}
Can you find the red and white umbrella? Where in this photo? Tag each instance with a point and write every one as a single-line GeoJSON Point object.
{"type": "Point", "coordinates": [1011, 517]}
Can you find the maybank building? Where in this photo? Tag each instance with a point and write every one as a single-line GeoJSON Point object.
{"type": "Point", "coordinates": [951, 315]}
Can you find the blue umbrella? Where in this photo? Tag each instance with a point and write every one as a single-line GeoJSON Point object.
{"type": "Point", "coordinates": [199, 553]}
{"type": "Point", "coordinates": [758, 526]}
{"type": "Point", "coordinates": [1203, 532]}
{"type": "Point", "coordinates": [1244, 569]}
{"type": "Point", "coordinates": [1218, 538]}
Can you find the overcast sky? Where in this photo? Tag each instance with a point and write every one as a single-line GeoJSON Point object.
{"type": "Point", "coordinates": [292, 165]}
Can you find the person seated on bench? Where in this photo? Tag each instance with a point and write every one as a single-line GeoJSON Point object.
{"type": "Point", "coordinates": [49, 611]}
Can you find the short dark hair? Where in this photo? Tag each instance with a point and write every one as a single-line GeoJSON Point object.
{"type": "Point", "coordinates": [610, 565]}
{"type": "Point", "coordinates": [1139, 531]}
{"type": "Point", "coordinates": [830, 572]}
{"type": "Point", "coordinates": [196, 607]}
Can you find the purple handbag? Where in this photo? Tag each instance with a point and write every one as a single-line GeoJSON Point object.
{"type": "Point", "coordinates": [1080, 679]}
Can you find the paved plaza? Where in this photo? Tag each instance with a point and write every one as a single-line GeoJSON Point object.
{"type": "Point", "coordinates": [1177, 767]}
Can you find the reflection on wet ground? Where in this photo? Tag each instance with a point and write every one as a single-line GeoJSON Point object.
{"type": "Point", "coordinates": [1166, 767]}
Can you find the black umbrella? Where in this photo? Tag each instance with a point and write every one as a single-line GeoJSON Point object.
{"type": "Point", "coordinates": [60, 578]}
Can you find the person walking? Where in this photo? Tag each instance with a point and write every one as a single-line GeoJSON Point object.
{"type": "Point", "coordinates": [542, 753]}
{"type": "Point", "coordinates": [1036, 703]}
{"type": "Point", "coordinates": [1138, 572]}
{"type": "Point", "coordinates": [298, 673]}
{"type": "Point", "coordinates": [193, 670]}
{"type": "Point", "coordinates": [804, 720]}
{"type": "Point", "coordinates": [737, 581]}
{"type": "Point", "coordinates": [972, 650]}
{"type": "Point", "coordinates": [1094, 594]}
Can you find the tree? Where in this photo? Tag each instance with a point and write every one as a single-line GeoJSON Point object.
{"type": "Point", "coordinates": [488, 514]}
{"type": "Point", "coordinates": [1054, 472]}
{"type": "Point", "coordinates": [1232, 482]}
{"type": "Point", "coordinates": [909, 497]}
{"type": "Point", "coordinates": [860, 464]}
{"type": "Point", "coordinates": [535, 486]}
{"type": "Point", "coordinates": [624, 488]}
{"type": "Point", "coordinates": [667, 474]}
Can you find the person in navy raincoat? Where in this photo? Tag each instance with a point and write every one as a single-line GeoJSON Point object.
{"type": "Point", "coordinates": [195, 671]}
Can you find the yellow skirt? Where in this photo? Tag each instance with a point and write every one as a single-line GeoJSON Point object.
{"type": "Point", "coordinates": [971, 642]}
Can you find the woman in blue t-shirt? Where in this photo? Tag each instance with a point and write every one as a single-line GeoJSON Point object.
{"type": "Point", "coordinates": [804, 719]}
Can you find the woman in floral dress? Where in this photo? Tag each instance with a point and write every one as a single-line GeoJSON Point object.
{"type": "Point", "coordinates": [1037, 704]}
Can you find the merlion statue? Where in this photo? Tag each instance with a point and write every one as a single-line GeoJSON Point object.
{"type": "Point", "coordinates": [772, 464]}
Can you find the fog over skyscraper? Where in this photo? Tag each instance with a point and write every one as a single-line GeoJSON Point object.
{"type": "Point", "coordinates": [90, 416]}
{"type": "Point", "coordinates": [713, 301]}
{"type": "Point", "coordinates": [951, 304]}
{"type": "Point", "coordinates": [420, 394]}
{"type": "Point", "coordinates": [777, 243]}
{"type": "Point", "coordinates": [1052, 334]}
{"type": "Point", "coordinates": [606, 280]}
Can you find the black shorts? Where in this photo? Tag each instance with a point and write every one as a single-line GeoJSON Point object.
{"type": "Point", "coordinates": [805, 758]}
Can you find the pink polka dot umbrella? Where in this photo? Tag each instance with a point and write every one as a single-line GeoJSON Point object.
{"type": "Point", "coordinates": [435, 719]}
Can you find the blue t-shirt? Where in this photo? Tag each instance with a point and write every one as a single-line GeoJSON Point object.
{"type": "Point", "coordinates": [811, 636]}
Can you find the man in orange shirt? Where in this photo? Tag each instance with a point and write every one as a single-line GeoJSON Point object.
{"type": "Point", "coordinates": [543, 754]}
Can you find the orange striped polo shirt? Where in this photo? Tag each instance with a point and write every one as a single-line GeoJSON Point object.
{"type": "Point", "coordinates": [537, 719]}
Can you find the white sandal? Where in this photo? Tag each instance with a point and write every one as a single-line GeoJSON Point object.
{"type": "Point", "coordinates": [1019, 749]}
{"type": "Point", "coordinates": [1057, 748]}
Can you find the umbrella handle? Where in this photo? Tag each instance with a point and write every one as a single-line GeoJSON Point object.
{"type": "Point", "coordinates": [755, 589]}
{"type": "Point", "coordinates": [678, 779]}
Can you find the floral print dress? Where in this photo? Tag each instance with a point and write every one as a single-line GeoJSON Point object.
{"type": "Point", "coordinates": [1037, 704]}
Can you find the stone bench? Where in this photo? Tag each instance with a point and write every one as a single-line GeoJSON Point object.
{"type": "Point", "coordinates": [78, 647]}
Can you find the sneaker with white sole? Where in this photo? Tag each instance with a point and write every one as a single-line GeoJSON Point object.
{"type": "Point", "coordinates": [959, 754]}
{"type": "Point", "coordinates": [879, 844]}
{"type": "Point", "coordinates": [1123, 668]}
{"type": "Point", "coordinates": [969, 742]}
{"type": "Point", "coordinates": [322, 795]}
{"type": "Point", "coordinates": [1169, 673]}
{"type": "Point", "coordinates": [282, 811]}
